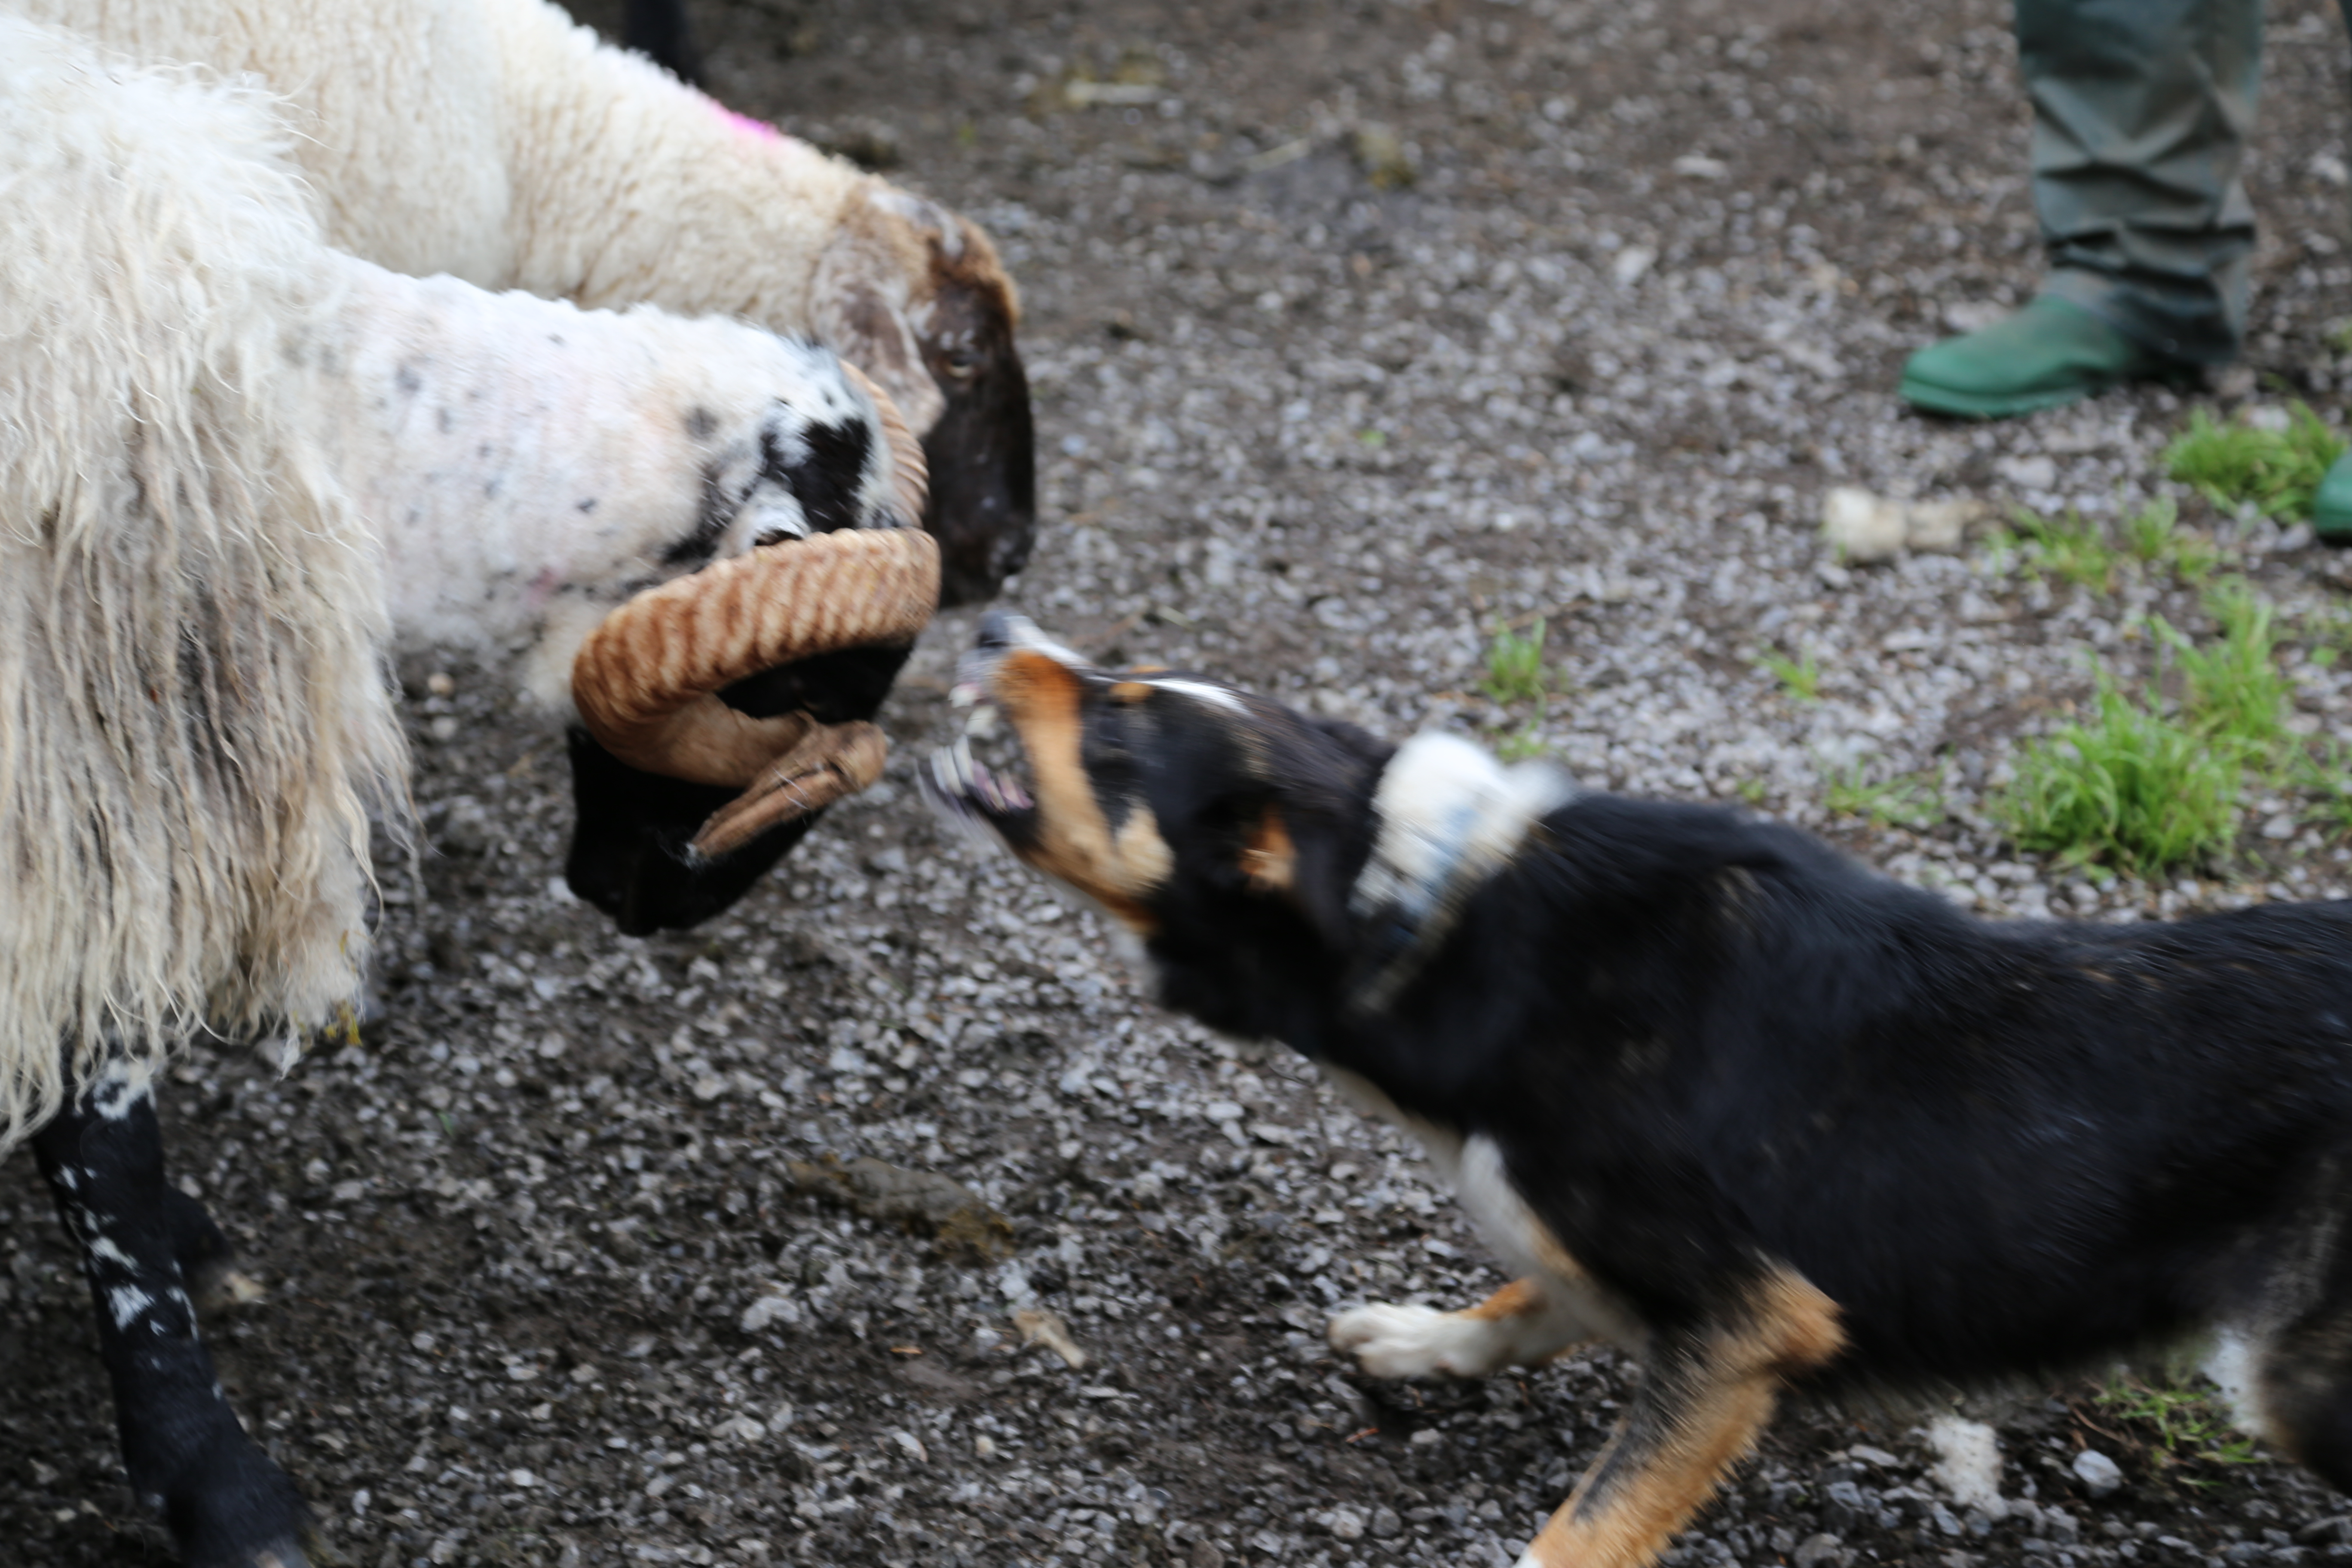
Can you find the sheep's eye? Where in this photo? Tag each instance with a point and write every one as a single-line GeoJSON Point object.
{"type": "Point", "coordinates": [960, 363]}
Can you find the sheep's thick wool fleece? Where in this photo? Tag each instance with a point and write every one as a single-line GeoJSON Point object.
{"type": "Point", "coordinates": [487, 138]}
{"type": "Point", "coordinates": [194, 715]}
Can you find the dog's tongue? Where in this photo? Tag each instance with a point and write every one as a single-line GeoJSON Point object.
{"type": "Point", "coordinates": [1003, 794]}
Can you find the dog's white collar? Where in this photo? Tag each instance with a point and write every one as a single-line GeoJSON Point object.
{"type": "Point", "coordinates": [1450, 816]}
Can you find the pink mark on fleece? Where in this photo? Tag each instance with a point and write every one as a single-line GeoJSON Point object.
{"type": "Point", "coordinates": [745, 124]}
{"type": "Point", "coordinates": [545, 586]}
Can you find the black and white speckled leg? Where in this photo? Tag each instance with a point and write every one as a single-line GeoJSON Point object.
{"type": "Point", "coordinates": [227, 1505]}
{"type": "Point", "coordinates": [208, 1270]}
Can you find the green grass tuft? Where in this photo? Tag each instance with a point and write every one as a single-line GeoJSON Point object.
{"type": "Point", "coordinates": [2323, 775]}
{"type": "Point", "coordinates": [2142, 788]}
{"type": "Point", "coordinates": [2071, 549]}
{"type": "Point", "coordinates": [1907, 800]}
{"type": "Point", "coordinates": [2075, 549]}
{"type": "Point", "coordinates": [2177, 1425]}
{"type": "Point", "coordinates": [1514, 667]}
{"type": "Point", "coordinates": [1801, 679]}
{"type": "Point", "coordinates": [1515, 676]}
{"type": "Point", "coordinates": [1521, 743]}
{"type": "Point", "coordinates": [2132, 788]}
{"type": "Point", "coordinates": [2235, 691]}
{"type": "Point", "coordinates": [2155, 539]}
{"type": "Point", "coordinates": [2275, 471]}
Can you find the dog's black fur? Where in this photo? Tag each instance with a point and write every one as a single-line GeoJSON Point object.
{"type": "Point", "coordinates": [1711, 1049]}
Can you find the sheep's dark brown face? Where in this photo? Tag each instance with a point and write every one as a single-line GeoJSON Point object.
{"type": "Point", "coordinates": [982, 450]}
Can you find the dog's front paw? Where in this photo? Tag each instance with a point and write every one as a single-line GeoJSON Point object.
{"type": "Point", "coordinates": [1390, 1341]}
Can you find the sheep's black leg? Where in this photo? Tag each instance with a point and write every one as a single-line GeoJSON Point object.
{"type": "Point", "coordinates": [208, 1258]}
{"type": "Point", "coordinates": [227, 1505]}
{"type": "Point", "coordinates": [660, 30]}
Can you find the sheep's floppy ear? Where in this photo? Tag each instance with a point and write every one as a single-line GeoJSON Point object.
{"type": "Point", "coordinates": [852, 311]}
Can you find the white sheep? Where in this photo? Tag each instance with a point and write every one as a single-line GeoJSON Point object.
{"type": "Point", "coordinates": [215, 432]}
{"type": "Point", "coordinates": [498, 142]}
{"type": "Point", "coordinates": [193, 718]}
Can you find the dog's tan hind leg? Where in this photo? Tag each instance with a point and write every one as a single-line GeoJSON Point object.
{"type": "Point", "coordinates": [1703, 1400]}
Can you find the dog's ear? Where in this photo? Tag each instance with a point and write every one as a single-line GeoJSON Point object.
{"type": "Point", "coordinates": [1269, 855]}
{"type": "Point", "coordinates": [1302, 867]}
{"type": "Point", "coordinates": [1303, 840]}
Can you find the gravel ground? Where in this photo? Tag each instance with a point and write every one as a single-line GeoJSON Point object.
{"type": "Point", "coordinates": [561, 1268]}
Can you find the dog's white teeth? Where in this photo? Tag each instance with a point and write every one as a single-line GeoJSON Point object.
{"type": "Point", "coordinates": [963, 694]}
{"type": "Point", "coordinates": [952, 771]}
{"type": "Point", "coordinates": [1015, 796]}
{"type": "Point", "coordinates": [982, 722]}
{"type": "Point", "coordinates": [984, 784]}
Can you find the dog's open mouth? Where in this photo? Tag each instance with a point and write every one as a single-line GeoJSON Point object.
{"type": "Point", "coordinates": [969, 790]}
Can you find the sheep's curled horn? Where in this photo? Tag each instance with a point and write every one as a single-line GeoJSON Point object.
{"type": "Point", "coordinates": [910, 475]}
{"type": "Point", "coordinates": [646, 679]}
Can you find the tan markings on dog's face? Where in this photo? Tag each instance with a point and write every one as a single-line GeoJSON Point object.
{"type": "Point", "coordinates": [1044, 701]}
{"type": "Point", "coordinates": [1694, 1421]}
{"type": "Point", "coordinates": [1269, 860]}
{"type": "Point", "coordinates": [1143, 855]}
{"type": "Point", "coordinates": [1130, 692]}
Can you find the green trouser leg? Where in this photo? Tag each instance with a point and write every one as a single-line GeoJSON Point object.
{"type": "Point", "coordinates": [2142, 109]}
{"type": "Point", "coordinates": [2331, 509]}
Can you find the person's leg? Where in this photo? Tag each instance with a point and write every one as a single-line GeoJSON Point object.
{"type": "Point", "coordinates": [2331, 509]}
{"type": "Point", "coordinates": [2141, 112]}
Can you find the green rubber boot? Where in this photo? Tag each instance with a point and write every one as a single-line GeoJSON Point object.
{"type": "Point", "coordinates": [2331, 507]}
{"type": "Point", "coordinates": [2049, 354]}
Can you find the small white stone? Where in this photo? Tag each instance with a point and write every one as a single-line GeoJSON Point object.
{"type": "Point", "coordinates": [774, 1307]}
{"type": "Point", "coordinates": [1967, 1463]}
{"type": "Point", "coordinates": [1862, 527]}
{"type": "Point", "coordinates": [1941, 527]}
{"type": "Point", "coordinates": [2100, 1476]}
{"type": "Point", "coordinates": [2033, 473]}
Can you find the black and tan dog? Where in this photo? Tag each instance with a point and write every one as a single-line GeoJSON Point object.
{"type": "Point", "coordinates": [1770, 1121]}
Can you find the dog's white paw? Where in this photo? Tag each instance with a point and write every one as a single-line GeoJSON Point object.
{"type": "Point", "coordinates": [1390, 1341]}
